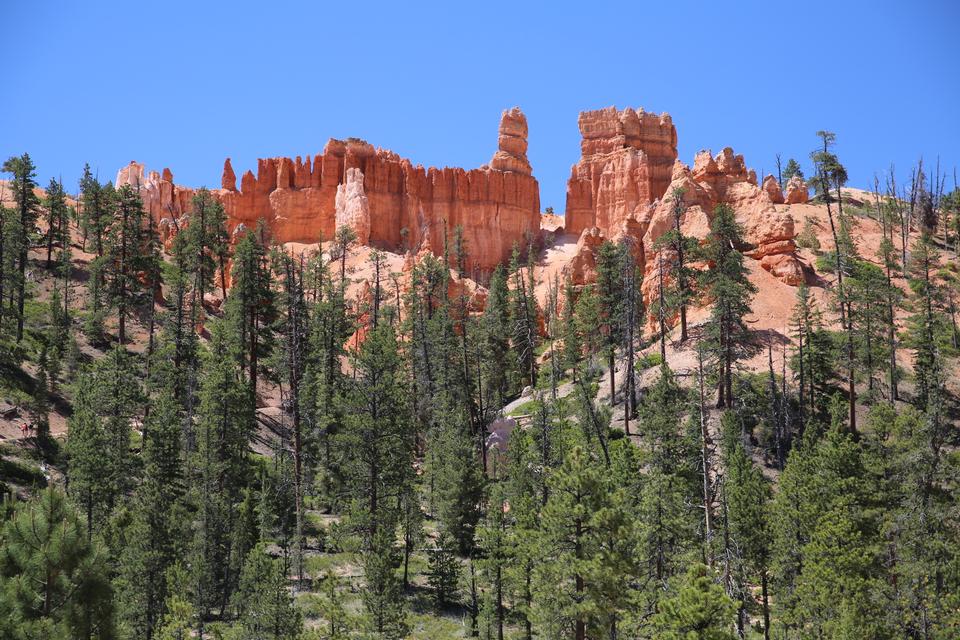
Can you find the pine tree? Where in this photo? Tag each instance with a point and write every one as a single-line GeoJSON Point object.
{"type": "Point", "coordinates": [119, 399]}
{"type": "Point", "coordinates": [610, 289]}
{"type": "Point", "coordinates": [155, 535]}
{"type": "Point", "coordinates": [832, 175]}
{"type": "Point", "coordinates": [443, 573]}
{"type": "Point", "coordinates": [125, 257]}
{"type": "Point", "coordinates": [523, 316]}
{"type": "Point", "coordinates": [94, 212]}
{"type": "Point", "coordinates": [382, 596]}
{"type": "Point", "coordinates": [730, 289]}
{"type": "Point", "coordinates": [265, 605]}
{"type": "Point", "coordinates": [747, 496]}
{"type": "Point", "coordinates": [680, 249]}
{"type": "Point", "coordinates": [671, 495]}
{"type": "Point", "coordinates": [925, 324]}
{"type": "Point", "coordinates": [587, 539]}
{"type": "Point", "coordinates": [698, 610]}
{"type": "Point", "coordinates": [377, 438]}
{"type": "Point", "coordinates": [826, 561]}
{"type": "Point", "coordinates": [497, 363]}
{"type": "Point", "coordinates": [26, 209]}
{"type": "Point", "coordinates": [53, 579]}
{"type": "Point", "coordinates": [496, 548]}
{"type": "Point", "coordinates": [572, 346]}
{"type": "Point", "coordinates": [792, 168]}
{"type": "Point", "coordinates": [293, 352]}
{"type": "Point", "coordinates": [86, 442]}
{"type": "Point", "coordinates": [219, 469]}
{"type": "Point", "coordinates": [205, 243]}
{"type": "Point", "coordinates": [106, 400]}
{"type": "Point", "coordinates": [332, 608]}
{"type": "Point", "coordinates": [180, 617]}
{"type": "Point", "coordinates": [868, 317]}
{"type": "Point", "coordinates": [57, 212]}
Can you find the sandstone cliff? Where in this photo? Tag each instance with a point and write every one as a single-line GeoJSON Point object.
{"type": "Point", "coordinates": [722, 179]}
{"type": "Point", "coordinates": [390, 202]}
{"type": "Point", "coordinates": [626, 162]}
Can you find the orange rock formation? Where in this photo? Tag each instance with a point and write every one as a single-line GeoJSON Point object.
{"type": "Point", "coordinates": [387, 200]}
{"type": "Point", "coordinates": [626, 162]}
{"type": "Point", "coordinates": [797, 192]}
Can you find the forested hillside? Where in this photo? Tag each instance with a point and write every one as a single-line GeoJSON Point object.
{"type": "Point", "coordinates": [209, 434]}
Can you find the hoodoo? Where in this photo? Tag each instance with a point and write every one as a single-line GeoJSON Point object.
{"type": "Point", "coordinates": [626, 163]}
{"type": "Point", "coordinates": [622, 187]}
{"type": "Point", "coordinates": [389, 201]}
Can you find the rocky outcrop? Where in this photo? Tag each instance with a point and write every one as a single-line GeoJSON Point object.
{"type": "Point", "coordinates": [797, 191]}
{"type": "Point", "coordinates": [511, 152]}
{"type": "Point", "coordinates": [785, 266]}
{"type": "Point", "coordinates": [626, 163]}
{"type": "Point", "coordinates": [406, 207]}
{"type": "Point", "coordinates": [582, 269]}
{"type": "Point", "coordinates": [772, 187]}
{"type": "Point", "coordinates": [353, 207]}
{"type": "Point", "coordinates": [228, 181]}
{"type": "Point", "coordinates": [165, 201]}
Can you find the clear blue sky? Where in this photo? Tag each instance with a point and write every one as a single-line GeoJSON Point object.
{"type": "Point", "coordinates": [185, 84]}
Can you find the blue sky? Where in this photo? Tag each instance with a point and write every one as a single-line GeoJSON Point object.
{"type": "Point", "coordinates": [185, 84]}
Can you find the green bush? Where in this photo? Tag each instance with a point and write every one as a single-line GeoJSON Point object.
{"type": "Point", "coordinates": [649, 360]}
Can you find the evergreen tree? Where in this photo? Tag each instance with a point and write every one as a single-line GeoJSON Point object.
{"type": "Point", "coordinates": [86, 442]}
{"type": "Point", "coordinates": [180, 617]}
{"type": "Point", "coordinates": [443, 574]}
{"type": "Point", "coordinates": [26, 209]}
{"type": "Point", "coordinates": [523, 316]}
{"type": "Point", "coordinates": [827, 562]}
{"type": "Point", "coordinates": [377, 443]}
{"type": "Point", "coordinates": [680, 249]}
{"type": "Point", "coordinates": [126, 257]}
{"type": "Point", "coordinates": [382, 596]}
{"type": "Point", "coordinates": [698, 610]}
{"type": "Point", "coordinates": [587, 558]}
{"type": "Point", "coordinates": [926, 324]}
{"type": "Point", "coordinates": [266, 608]}
{"type": "Point", "coordinates": [832, 175]}
{"type": "Point", "coordinates": [497, 363]}
{"type": "Point", "coordinates": [155, 535]}
{"type": "Point", "coordinates": [57, 218]}
{"type": "Point", "coordinates": [868, 317]}
{"type": "Point", "coordinates": [219, 469]}
{"type": "Point", "coordinates": [118, 396]}
{"type": "Point", "coordinates": [53, 578]}
{"type": "Point", "coordinates": [727, 285]}
{"type": "Point", "coordinates": [205, 241]}
{"type": "Point", "coordinates": [334, 612]}
{"type": "Point", "coordinates": [497, 553]}
{"type": "Point", "coordinates": [792, 168]}
{"type": "Point", "coordinates": [747, 497]}
{"type": "Point", "coordinates": [94, 216]}
{"type": "Point", "coordinates": [671, 494]}
{"type": "Point", "coordinates": [610, 260]}
{"type": "Point", "coordinates": [377, 438]}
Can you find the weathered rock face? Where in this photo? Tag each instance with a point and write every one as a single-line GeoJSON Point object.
{"type": "Point", "coordinates": [406, 207]}
{"type": "Point", "coordinates": [511, 153]}
{"type": "Point", "coordinates": [626, 163]}
{"type": "Point", "coordinates": [722, 179]}
{"type": "Point", "coordinates": [797, 191]}
{"type": "Point", "coordinates": [582, 269]}
{"type": "Point", "coordinates": [772, 187]}
{"type": "Point", "coordinates": [165, 201]}
{"type": "Point", "coordinates": [353, 207]}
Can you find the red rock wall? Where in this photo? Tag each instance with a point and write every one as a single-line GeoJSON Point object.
{"type": "Point", "coordinates": [410, 207]}
{"type": "Point", "coordinates": [626, 163]}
